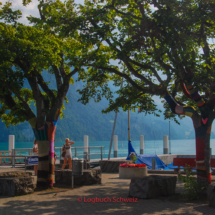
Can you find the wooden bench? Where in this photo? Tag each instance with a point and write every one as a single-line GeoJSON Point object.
{"type": "Point", "coordinates": [189, 163]}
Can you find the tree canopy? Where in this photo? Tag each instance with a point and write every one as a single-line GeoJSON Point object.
{"type": "Point", "coordinates": [150, 44]}
{"type": "Point", "coordinates": [25, 53]}
{"type": "Point", "coordinates": [155, 44]}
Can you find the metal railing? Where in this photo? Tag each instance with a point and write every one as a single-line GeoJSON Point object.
{"type": "Point", "coordinates": [26, 150]}
{"type": "Point", "coordinates": [7, 155]}
{"type": "Point", "coordinates": [88, 154]}
{"type": "Point", "coordinates": [13, 158]}
{"type": "Point", "coordinates": [17, 154]}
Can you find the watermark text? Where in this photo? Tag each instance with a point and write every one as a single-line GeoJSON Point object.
{"type": "Point", "coordinates": [106, 199]}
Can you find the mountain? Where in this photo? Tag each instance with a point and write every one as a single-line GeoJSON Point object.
{"type": "Point", "coordinates": [87, 119]}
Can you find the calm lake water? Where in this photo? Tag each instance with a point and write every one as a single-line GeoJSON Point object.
{"type": "Point", "coordinates": [151, 147]}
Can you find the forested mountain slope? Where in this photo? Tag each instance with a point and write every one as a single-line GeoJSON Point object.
{"type": "Point", "coordinates": [88, 120]}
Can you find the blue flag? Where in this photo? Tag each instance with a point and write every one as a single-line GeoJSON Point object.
{"type": "Point", "coordinates": [130, 149]}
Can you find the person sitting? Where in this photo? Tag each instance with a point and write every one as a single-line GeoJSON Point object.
{"type": "Point", "coordinates": [68, 154]}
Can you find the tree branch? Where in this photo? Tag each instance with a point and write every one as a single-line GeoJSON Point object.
{"type": "Point", "coordinates": [185, 91]}
{"type": "Point", "coordinates": [136, 74]}
{"type": "Point", "coordinates": [57, 76]}
{"type": "Point", "coordinates": [62, 71]}
{"type": "Point", "coordinates": [9, 101]}
{"type": "Point", "coordinates": [147, 66]}
{"type": "Point", "coordinates": [112, 70]}
{"type": "Point", "coordinates": [125, 14]}
{"type": "Point", "coordinates": [72, 73]}
{"type": "Point", "coordinates": [42, 17]}
{"type": "Point", "coordinates": [36, 92]}
{"type": "Point", "coordinates": [42, 83]}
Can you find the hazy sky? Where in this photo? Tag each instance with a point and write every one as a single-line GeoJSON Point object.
{"type": "Point", "coordinates": [30, 9]}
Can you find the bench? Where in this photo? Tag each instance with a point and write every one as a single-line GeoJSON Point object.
{"type": "Point", "coordinates": [189, 163]}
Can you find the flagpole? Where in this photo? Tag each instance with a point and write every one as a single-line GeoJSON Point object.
{"type": "Point", "coordinates": [112, 135]}
{"type": "Point", "coordinates": [114, 126]}
{"type": "Point", "coordinates": [129, 125]}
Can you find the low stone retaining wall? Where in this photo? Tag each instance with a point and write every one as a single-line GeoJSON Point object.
{"type": "Point", "coordinates": [111, 166]}
{"type": "Point", "coordinates": [16, 183]}
{"type": "Point", "coordinates": [211, 195]}
{"type": "Point", "coordinates": [152, 186]}
{"type": "Point", "coordinates": [132, 172]}
{"type": "Point", "coordinates": [86, 164]}
{"type": "Point", "coordinates": [90, 176]}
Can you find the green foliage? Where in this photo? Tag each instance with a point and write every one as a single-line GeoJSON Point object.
{"type": "Point", "coordinates": [27, 51]}
{"type": "Point", "coordinates": [153, 47]}
{"type": "Point", "coordinates": [192, 187]}
{"type": "Point", "coordinates": [8, 14]}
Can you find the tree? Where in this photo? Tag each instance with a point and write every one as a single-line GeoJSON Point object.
{"type": "Point", "coordinates": [162, 48]}
{"type": "Point", "coordinates": [25, 53]}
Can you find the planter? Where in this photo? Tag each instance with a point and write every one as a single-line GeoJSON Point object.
{"type": "Point", "coordinates": [132, 172]}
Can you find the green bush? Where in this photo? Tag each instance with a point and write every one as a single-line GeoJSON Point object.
{"type": "Point", "coordinates": [192, 187]}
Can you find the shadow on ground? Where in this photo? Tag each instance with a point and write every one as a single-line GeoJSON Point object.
{"type": "Point", "coordinates": [108, 199]}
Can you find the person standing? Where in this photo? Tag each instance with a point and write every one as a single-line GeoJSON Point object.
{"type": "Point", "coordinates": [55, 155]}
{"type": "Point", "coordinates": [35, 153]}
{"type": "Point", "coordinates": [68, 154]}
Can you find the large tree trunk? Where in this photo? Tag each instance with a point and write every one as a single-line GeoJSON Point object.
{"type": "Point", "coordinates": [203, 155]}
{"type": "Point", "coordinates": [202, 125]}
{"type": "Point", "coordinates": [45, 137]}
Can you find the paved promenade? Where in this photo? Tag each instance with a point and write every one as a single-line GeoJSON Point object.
{"type": "Point", "coordinates": [114, 191]}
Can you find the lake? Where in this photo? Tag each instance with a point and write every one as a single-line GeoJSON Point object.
{"type": "Point", "coordinates": [151, 147]}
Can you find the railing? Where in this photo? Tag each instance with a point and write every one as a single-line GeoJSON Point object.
{"type": "Point", "coordinates": [13, 158]}
{"type": "Point", "coordinates": [26, 150]}
{"type": "Point", "coordinates": [88, 154]}
{"type": "Point", "coordinates": [3, 154]}
{"type": "Point", "coordinates": [30, 152]}
{"type": "Point", "coordinates": [7, 155]}
{"type": "Point", "coordinates": [18, 153]}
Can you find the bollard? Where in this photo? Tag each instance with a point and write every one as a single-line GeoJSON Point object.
{"type": "Point", "coordinates": [115, 145]}
{"type": "Point", "coordinates": [11, 144]}
{"type": "Point", "coordinates": [141, 144]}
{"type": "Point", "coordinates": [13, 158]}
{"type": "Point", "coordinates": [85, 147]}
{"type": "Point", "coordinates": [165, 145]}
{"type": "Point", "coordinates": [153, 164]}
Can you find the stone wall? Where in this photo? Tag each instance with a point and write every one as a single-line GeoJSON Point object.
{"type": "Point", "coordinates": [152, 186]}
{"type": "Point", "coordinates": [16, 183]}
{"type": "Point", "coordinates": [86, 164]}
{"type": "Point", "coordinates": [111, 166]}
{"type": "Point", "coordinates": [15, 174]}
{"type": "Point", "coordinates": [90, 176]}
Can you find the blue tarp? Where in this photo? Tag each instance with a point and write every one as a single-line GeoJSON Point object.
{"type": "Point", "coordinates": [146, 159]}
